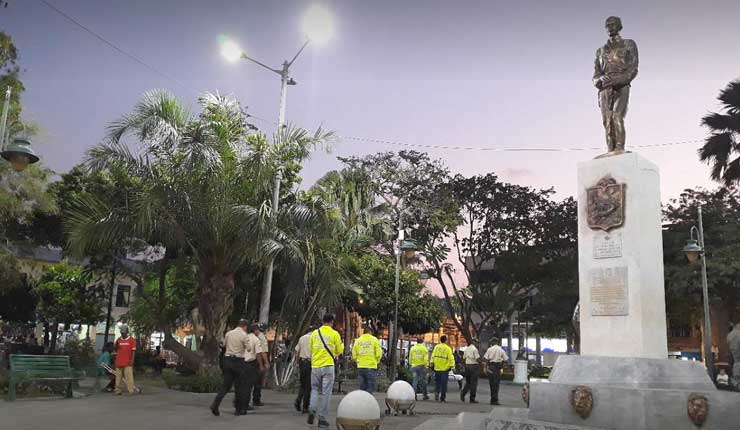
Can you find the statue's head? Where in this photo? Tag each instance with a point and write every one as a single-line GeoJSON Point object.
{"type": "Point", "coordinates": [613, 25]}
{"type": "Point", "coordinates": [582, 400]}
{"type": "Point", "coordinates": [697, 408]}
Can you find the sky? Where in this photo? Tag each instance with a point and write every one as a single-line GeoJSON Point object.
{"type": "Point", "coordinates": [479, 74]}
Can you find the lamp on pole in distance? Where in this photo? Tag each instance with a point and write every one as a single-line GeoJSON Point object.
{"type": "Point", "coordinates": [695, 251]}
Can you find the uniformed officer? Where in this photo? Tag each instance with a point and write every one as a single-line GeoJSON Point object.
{"type": "Point", "coordinates": [442, 361]}
{"type": "Point", "coordinates": [255, 364]}
{"type": "Point", "coordinates": [495, 357]}
{"type": "Point", "coordinates": [303, 358]}
{"type": "Point", "coordinates": [236, 344]}
{"type": "Point", "coordinates": [419, 360]}
{"type": "Point", "coordinates": [366, 352]}
{"type": "Point", "coordinates": [472, 371]}
{"type": "Point", "coordinates": [261, 379]}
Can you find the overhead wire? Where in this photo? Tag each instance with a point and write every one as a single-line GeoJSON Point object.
{"type": "Point", "coordinates": [347, 138]}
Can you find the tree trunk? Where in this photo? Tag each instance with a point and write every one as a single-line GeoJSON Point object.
{"type": "Point", "coordinates": [47, 330]}
{"type": "Point", "coordinates": [215, 304]}
{"type": "Point", "coordinates": [191, 360]}
{"type": "Point", "coordinates": [54, 333]}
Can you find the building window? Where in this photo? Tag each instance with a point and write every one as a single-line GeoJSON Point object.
{"type": "Point", "coordinates": [123, 293]}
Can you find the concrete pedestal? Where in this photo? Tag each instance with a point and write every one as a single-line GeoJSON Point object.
{"type": "Point", "coordinates": [621, 286]}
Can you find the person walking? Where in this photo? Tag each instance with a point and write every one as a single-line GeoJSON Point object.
{"type": "Point", "coordinates": [262, 377]}
{"type": "Point", "coordinates": [366, 352]}
{"type": "Point", "coordinates": [256, 365]}
{"type": "Point", "coordinates": [104, 366]}
{"type": "Point", "coordinates": [235, 343]}
{"type": "Point", "coordinates": [326, 345]}
{"type": "Point", "coordinates": [495, 357]}
{"type": "Point", "coordinates": [471, 356]}
{"type": "Point", "coordinates": [125, 347]}
{"type": "Point", "coordinates": [442, 361]}
{"type": "Point", "coordinates": [303, 359]}
{"type": "Point", "coordinates": [418, 360]}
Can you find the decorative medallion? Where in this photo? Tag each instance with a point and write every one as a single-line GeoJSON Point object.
{"type": "Point", "coordinates": [697, 408]}
{"type": "Point", "coordinates": [525, 393]}
{"type": "Point", "coordinates": [605, 204]}
{"type": "Point", "coordinates": [582, 400]}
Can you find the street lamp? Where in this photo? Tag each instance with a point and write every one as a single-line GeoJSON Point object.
{"type": "Point", "coordinates": [19, 153]}
{"type": "Point", "coordinates": [694, 249]}
{"type": "Point", "coordinates": [318, 26]}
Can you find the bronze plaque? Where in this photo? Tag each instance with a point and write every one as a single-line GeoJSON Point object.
{"type": "Point", "coordinates": [609, 291]}
{"type": "Point", "coordinates": [605, 204]}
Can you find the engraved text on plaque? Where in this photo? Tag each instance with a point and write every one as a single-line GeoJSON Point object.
{"type": "Point", "coordinates": [609, 291]}
{"type": "Point", "coordinates": [607, 245]}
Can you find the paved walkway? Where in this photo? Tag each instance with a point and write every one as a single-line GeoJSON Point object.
{"type": "Point", "coordinates": [159, 408]}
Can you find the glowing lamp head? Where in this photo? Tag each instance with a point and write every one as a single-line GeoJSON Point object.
{"type": "Point", "coordinates": [318, 24]}
{"type": "Point", "coordinates": [230, 49]}
{"type": "Point", "coordinates": [692, 250]}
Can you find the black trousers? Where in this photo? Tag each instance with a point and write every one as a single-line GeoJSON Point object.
{"type": "Point", "coordinates": [494, 379]}
{"type": "Point", "coordinates": [251, 374]}
{"type": "Point", "coordinates": [472, 372]}
{"type": "Point", "coordinates": [257, 389]}
{"type": "Point", "coordinates": [233, 371]}
{"type": "Point", "coordinates": [304, 392]}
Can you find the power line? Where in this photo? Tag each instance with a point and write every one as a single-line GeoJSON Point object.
{"type": "Point", "coordinates": [506, 149]}
{"type": "Point", "coordinates": [350, 138]}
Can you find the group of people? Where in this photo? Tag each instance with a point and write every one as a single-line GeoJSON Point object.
{"type": "Point", "coordinates": [245, 362]}
{"type": "Point", "coordinates": [124, 349]}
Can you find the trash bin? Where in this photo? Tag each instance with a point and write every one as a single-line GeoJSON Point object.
{"type": "Point", "coordinates": [520, 371]}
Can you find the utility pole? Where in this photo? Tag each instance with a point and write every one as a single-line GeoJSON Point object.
{"type": "Point", "coordinates": [394, 330]}
{"type": "Point", "coordinates": [4, 124]}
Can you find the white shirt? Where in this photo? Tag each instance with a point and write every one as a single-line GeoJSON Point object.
{"type": "Point", "coordinates": [302, 347]}
{"type": "Point", "coordinates": [495, 354]}
{"type": "Point", "coordinates": [254, 347]}
{"type": "Point", "coordinates": [471, 355]}
{"type": "Point", "coordinates": [235, 342]}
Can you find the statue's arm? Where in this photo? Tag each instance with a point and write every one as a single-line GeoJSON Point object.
{"type": "Point", "coordinates": [630, 71]}
{"type": "Point", "coordinates": [598, 78]}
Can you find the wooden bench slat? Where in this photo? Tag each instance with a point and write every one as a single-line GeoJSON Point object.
{"type": "Point", "coordinates": [40, 368]}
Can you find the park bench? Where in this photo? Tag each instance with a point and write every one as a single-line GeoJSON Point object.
{"type": "Point", "coordinates": [46, 368]}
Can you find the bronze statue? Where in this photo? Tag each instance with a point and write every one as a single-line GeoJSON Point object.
{"type": "Point", "coordinates": [614, 70]}
{"type": "Point", "coordinates": [582, 400]}
{"type": "Point", "coordinates": [697, 408]}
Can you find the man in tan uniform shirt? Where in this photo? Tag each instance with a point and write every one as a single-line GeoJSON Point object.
{"type": "Point", "coordinates": [236, 344]}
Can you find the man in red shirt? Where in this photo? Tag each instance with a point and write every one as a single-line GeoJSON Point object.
{"type": "Point", "coordinates": [125, 349]}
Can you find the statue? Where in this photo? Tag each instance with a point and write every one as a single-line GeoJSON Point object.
{"type": "Point", "coordinates": [614, 70]}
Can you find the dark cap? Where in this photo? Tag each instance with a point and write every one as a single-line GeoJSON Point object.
{"type": "Point", "coordinates": [243, 322]}
{"type": "Point", "coordinates": [254, 327]}
{"type": "Point", "coordinates": [263, 326]}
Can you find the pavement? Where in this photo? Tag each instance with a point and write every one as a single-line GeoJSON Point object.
{"type": "Point", "coordinates": [159, 408]}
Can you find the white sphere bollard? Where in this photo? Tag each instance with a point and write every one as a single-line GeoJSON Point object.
{"type": "Point", "coordinates": [400, 397]}
{"type": "Point", "coordinates": [358, 410]}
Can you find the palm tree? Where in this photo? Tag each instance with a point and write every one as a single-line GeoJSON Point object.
{"type": "Point", "coordinates": [204, 188]}
{"type": "Point", "coordinates": [722, 147]}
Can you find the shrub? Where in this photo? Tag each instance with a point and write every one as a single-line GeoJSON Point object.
{"type": "Point", "coordinates": [208, 382]}
{"type": "Point", "coordinates": [81, 353]}
{"type": "Point", "coordinates": [405, 374]}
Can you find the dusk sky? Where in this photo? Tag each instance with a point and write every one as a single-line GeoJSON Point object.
{"type": "Point", "coordinates": [481, 74]}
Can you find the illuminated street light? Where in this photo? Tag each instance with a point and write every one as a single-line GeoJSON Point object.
{"type": "Point", "coordinates": [318, 24]}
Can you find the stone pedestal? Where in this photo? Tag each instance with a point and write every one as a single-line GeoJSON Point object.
{"type": "Point", "coordinates": [620, 258]}
{"type": "Point", "coordinates": [623, 379]}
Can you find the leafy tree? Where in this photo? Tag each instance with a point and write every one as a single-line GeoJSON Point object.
{"type": "Point", "coordinates": [418, 310]}
{"type": "Point", "coordinates": [200, 194]}
{"type": "Point", "coordinates": [17, 300]}
{"type": "Point", "coordinates": [23, 198]}
{"type": "Point", "coordinates": [10, 77]}
{"type": "Point", "coordinates": [722, 148]}
{"type": "Point", "coordinates": [721, 214]}
{"type": "Point", "coordinates": [66, 296]}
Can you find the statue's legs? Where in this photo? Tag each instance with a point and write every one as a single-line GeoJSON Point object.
{"type": "Point", "coordinates": [605, 103]}
{"type": "Point", "coordinates": [620, 99]}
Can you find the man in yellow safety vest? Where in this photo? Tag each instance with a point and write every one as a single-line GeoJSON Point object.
{"type": "Point", "coordinates": [326, 347]}
{"type": "Point", "coordinates": [442, 361]}
{"type": "Point", "coordinates": [418, 360]}
{"type": "Point", "coordinates": [366, 352]}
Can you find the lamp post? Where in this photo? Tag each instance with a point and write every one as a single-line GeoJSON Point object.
{"type": "Point", "coordinates": [694, 250]}
{"type": "Point", "coordinates": [394, 328]}
{"type": "Point", "coordinates": [318, 25]}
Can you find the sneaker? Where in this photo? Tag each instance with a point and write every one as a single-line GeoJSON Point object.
{"type": "Point", "coordinates": [310, 418]}
{"type": "Point", "coordinates": [215, 411]}
{"type": "Point", "coordinates": [323, 424]}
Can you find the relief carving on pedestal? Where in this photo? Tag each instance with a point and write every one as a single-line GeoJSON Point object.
{"type": "Point", "coordinates": [525, 393]}
{"type": "Point", "coordinates": [605, 204]}
{"type": "Point", "coordinates": [582, 400]}
{"type": "Point", "coordinates": [697, 408]}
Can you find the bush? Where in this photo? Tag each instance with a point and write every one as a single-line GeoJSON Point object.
{"type": "Point", "coordinates": [539, 372]}
{"type": "Point", "coordinates": [81, 353]}
{"type": "Point", "coordinates": [405, 374]}
{"type": "Point", "coordinates": [209, 382]}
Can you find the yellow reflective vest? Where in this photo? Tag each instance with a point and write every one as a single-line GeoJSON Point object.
{"type": "Point", "coordinates": [366, 351]}
{"type": "Point", "coordinates": [319, 355]}
{"type": "Point", "coordinates": [418, 355]}
{"type": "Point", "coordinates": [442, 358]}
